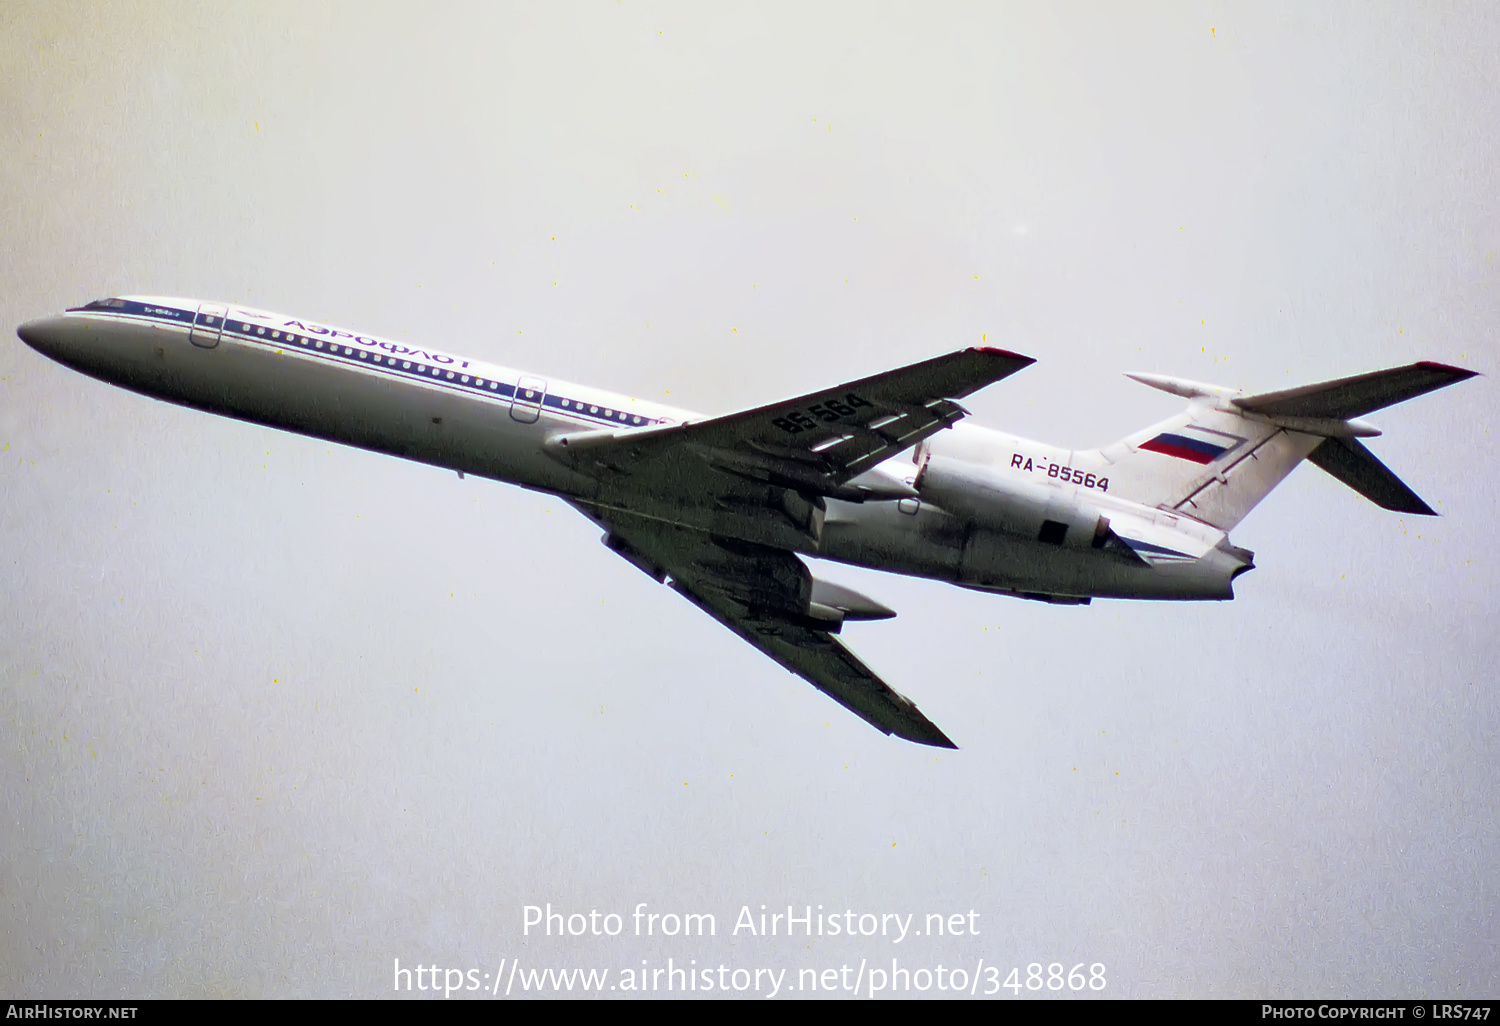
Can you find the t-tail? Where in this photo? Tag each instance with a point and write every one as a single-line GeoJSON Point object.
{"type": "Point", "coordinates": [1219, 458]}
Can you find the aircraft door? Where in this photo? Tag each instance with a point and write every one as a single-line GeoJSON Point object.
{"type": "Point", "coordinates": [207, 325]}
{"type": "Point", "coordinates": [526, 407]}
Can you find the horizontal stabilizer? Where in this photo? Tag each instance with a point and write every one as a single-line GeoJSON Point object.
{"type": "Point", "coordinates": [1356, 396]}
{"type": "Point", "coordinates": [1350, 462]}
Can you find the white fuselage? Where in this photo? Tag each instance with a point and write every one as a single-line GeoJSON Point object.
{"type": "Point", "coordinates": [435, 407]}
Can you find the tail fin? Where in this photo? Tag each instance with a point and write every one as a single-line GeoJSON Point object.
{"type": "Point", "coordinates": [1218, 459]}
{"type": "Point", "coordinates": [1342, 456]}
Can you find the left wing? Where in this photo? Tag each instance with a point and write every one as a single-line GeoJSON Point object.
{"type": "Point", "coordinates": [816, 444]}
{"type": "Point", "coordinates": [766, 596]}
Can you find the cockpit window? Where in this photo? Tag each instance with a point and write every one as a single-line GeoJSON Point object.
{"type": "Point", "coordinates": [106, 304]}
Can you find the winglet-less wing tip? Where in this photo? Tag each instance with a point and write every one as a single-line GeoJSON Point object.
{"type": "Point", "coordinates": [1458, 373]}
{"type": "Point", "coordinates": [1005, 353]}
{"type": "Point", "coordinates": [909, 723]}
{"type": "Point", "coordinates": [933, 736]}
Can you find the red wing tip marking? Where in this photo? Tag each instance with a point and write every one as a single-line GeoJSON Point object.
{"type": "Point", "coordinates": [1459, 373]}
{"type": "Point", "coordinates": [1005, 353]}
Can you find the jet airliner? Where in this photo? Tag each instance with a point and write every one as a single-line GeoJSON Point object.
{"type": "Point", "coordinates": [882, 472]}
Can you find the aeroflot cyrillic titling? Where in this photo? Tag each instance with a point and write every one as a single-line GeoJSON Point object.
{"type": "Point", "coordinates": [768, 922]}
{"type": "Point", "coordinates": [390, 347]}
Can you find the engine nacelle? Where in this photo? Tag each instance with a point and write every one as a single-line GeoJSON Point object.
{"type": "Point", "coordinates": [993, 499]}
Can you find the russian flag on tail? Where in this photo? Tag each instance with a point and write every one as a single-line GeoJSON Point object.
{"type": "Point", "coordinates": [1193, 443]}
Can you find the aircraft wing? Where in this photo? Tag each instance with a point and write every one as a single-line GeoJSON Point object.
{"type": "Point", "coordinates": [763, 595]}
{"type": "Point", "coordinates": [814, 443]}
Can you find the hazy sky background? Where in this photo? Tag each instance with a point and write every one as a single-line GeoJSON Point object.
{"type": "Point", "coordinates": [275, 712]}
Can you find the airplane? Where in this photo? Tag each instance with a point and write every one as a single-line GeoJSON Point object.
{"type": "Point", "coordinates": [882, 472]}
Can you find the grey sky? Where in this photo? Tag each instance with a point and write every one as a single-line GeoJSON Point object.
{"type": "Point", "coordinates": [273, 713]}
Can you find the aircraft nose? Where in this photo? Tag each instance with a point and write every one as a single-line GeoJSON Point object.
{"type": "Point", "coordinates": [47, 335]}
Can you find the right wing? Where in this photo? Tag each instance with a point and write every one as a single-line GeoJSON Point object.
{"type": "Point", "coordinates": [765, 596]}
